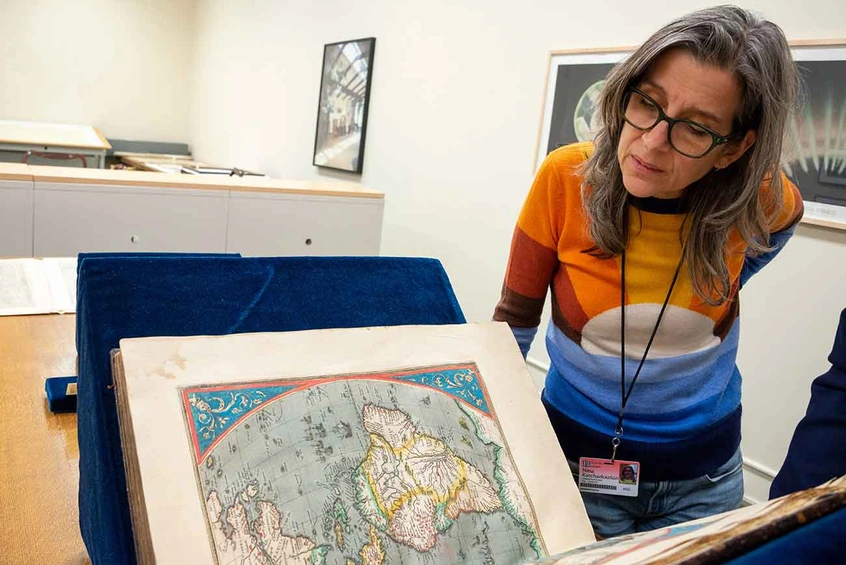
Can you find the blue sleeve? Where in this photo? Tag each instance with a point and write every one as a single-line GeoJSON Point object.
{"type": "Point", "coordinates": [524, 337]}
{"type": "Point", "coordinates": [753, 264]}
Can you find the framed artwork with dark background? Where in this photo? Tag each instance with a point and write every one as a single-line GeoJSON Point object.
{"type": "Point", "coordinates": [815, 155]}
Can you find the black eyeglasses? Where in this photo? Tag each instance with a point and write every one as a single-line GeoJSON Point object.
{"type": "Point", "coordinates": [685, 136]}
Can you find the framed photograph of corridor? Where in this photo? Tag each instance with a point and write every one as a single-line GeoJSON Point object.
{"type": "Point", "coordinates": [343, 104]}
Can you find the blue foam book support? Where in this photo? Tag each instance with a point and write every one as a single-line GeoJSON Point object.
{"type": "Point", "coordinates": [58, 399]}
{"type": "Point", "coordinates": [56, 388]}
{"type": "Point", "coordinates": [138, 296]}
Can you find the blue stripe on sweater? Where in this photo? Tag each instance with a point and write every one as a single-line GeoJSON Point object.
{"type": "Point", "coordinates": [524, 337]}
{"type": "Point", "coordinates": [675, 397]}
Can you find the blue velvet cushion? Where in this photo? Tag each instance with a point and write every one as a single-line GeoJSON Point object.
{"type": "Point", "coordinates": [136, 296]}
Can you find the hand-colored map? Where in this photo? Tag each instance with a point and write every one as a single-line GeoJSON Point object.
{"type": "Point", "coordinates": [403, 467]}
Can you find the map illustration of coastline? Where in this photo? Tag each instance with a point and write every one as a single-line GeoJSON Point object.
{"type": "Point", "coordinates": [402, 467]}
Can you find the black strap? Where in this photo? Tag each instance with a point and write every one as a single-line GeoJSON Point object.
{"type": "Point", "coordinates": [624, 395]}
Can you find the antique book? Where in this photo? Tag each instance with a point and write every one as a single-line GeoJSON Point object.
{"type": "Point", "coordinates": [414, 444]}
{"type": "Point", "coordinates": [410, 444]}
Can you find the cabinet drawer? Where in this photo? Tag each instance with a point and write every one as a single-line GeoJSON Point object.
{"type": "Point", "coordinates": [79, 218]}
{"type": "Point", "coordinates": [15, 218]}
{"type": "Point", "coordinates": [289, 224]}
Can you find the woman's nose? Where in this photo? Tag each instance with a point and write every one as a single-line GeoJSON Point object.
{"type": "Point", "coordinates": [658, 137]}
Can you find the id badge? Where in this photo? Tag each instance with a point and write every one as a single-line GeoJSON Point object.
{"type": "Point", "coordinates": [604, 476]}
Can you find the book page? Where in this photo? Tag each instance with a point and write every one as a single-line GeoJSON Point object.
{"type": "Point", "coordinates": [37, 286]}
{"type": "Point", "coordinates": [413, 444]}
{"type": "Point", "coordinates": [24, 288]}
{"type": "Point", "coordinates": [61, 273]}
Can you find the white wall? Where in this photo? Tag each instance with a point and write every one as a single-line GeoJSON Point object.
{"type": "Point", "coordinates": [454, 115]}
{"type": "Point", "coordinates": [123, 66]}
{"type": "Point", "coordinates": [789, 314]}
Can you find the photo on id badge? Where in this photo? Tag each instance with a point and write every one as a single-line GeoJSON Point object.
{"type": "Point", "coordinates": [628, 474]}
{"type": "Point", "coordinates": [608, 477]}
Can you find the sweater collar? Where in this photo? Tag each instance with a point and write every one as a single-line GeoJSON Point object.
{"type": "Point", "coordinates": [659, 205]}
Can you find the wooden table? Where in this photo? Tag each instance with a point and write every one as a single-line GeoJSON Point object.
{"type": "Point", "coordinates": [39, 454]}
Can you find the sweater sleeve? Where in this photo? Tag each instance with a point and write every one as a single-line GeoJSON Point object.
{"type": "Point", "coordinates": [533, 256]}
{"type": "Point", "coordinates": [781, 229]}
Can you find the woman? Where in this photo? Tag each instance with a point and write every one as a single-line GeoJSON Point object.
{"type": "Point", "coordinates": [645, 237]}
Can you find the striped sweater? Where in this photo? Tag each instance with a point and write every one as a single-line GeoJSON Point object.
{"type": "Point", "coordinates": [683, 417]}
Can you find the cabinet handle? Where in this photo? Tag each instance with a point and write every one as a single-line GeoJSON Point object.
{"type": "Point", "coordinates": [134, 239]}
{"type": "Point", "coordinates": [308, 241]}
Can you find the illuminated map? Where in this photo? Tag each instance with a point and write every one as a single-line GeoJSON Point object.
{"type": "Point", "coordinates": [399, 467]}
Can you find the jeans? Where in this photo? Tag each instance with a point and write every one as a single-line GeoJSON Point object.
{"type": "Point", "coordinates": [661, 504]}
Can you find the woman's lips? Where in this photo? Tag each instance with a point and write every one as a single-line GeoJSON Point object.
{"type": "Point", "coordinates": [645, 166]}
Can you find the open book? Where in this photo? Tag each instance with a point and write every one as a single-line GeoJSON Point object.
{"type": "Point", "coordinates": [37, 286]}
{"type": "Point", "coordinates": [414, 444]}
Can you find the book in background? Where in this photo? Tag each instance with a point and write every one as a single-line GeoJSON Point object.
{"type": "Point", "coordinates": [37, 286]}
{"type": "Point", "coordinates": [226, 171]}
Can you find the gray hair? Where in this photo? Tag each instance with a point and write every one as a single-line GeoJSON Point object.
{"type": "Point", "coordinates": [757, 53]}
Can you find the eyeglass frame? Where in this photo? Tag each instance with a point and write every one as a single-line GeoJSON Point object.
{"type": "Point", "coordinates": [716, 138]}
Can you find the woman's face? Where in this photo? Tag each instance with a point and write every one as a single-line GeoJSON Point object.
{"type": "Point", "coordinates": [685, 89]}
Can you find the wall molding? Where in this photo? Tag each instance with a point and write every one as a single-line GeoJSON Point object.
{"type": "Point", "coordinates": [759, 469]}
{"type": "Point", "coordinates": [537, 364]}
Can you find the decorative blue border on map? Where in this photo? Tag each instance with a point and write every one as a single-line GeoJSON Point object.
{"type": "Point", "coordinates": [462, 383]}
{"type": "Point", "coordinates": [214, 410]}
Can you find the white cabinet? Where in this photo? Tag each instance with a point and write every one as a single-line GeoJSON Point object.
{"type": "Point", "coordinates": [79, 218]}
{"type": "Point", "coordinates": [290, 224]}
{"type": "Point", "coordinates": [16, 218]}
{"type": "Point", "coordinates": [60, 212]}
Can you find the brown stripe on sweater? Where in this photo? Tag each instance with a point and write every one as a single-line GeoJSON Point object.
{"type": "Point", "coordinates": [560, 321]}
{"type": "Point", "coordinates": [518, 310]}
{"type": "Point", "coordinates": [724, 324]}
{"type": "Point", "coordinates": [530, 267]}
{"type": "Point", "coordinates": [567, 303]}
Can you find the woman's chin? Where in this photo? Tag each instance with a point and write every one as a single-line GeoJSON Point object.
{"type": "Point", "coordinates": [637, 187]}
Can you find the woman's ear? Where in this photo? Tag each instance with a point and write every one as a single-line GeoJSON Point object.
{"type": "Point", "coordinates": [736, 149]}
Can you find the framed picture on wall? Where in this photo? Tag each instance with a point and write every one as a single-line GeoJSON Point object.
{"type": "Point", "coordinates": [815, 155]}
{"type": "Point", "coordinates": [574, 79]}
{"type": "Point", "coordinates": [343, 104]}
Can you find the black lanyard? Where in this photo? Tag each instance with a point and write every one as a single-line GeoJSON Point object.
{"type": "Point", "coordinates": [624, 395]}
